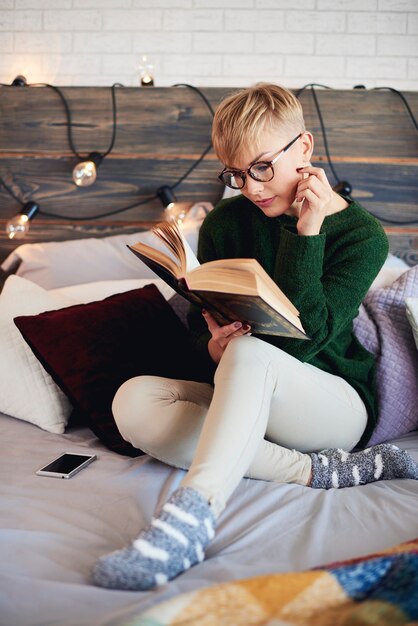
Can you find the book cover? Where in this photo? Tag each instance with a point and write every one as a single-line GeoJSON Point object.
{"type": "Point", "coordinates": [248, 309]}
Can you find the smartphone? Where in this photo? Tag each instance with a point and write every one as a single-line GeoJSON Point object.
{"type": "Point", "coordinates": [66, 465]}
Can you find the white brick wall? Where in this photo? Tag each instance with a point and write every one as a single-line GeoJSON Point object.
{"type": "Point", "coordinates": [211, 42]}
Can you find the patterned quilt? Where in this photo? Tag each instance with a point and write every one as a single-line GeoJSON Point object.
{"type": "Point", "coordinates": [379, 589]}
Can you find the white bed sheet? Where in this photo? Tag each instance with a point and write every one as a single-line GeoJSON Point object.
{"type": "Point", "coordinates": [52, 531]}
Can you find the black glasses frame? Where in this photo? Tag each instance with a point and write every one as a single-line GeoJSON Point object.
{"type": "Point", "coordinates": [243, 173]}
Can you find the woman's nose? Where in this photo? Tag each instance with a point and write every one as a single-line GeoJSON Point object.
{"type": "Point", "coordinates": [253, 186]}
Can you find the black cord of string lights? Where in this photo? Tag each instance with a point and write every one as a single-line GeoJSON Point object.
{"type": "Point", "coordinates": [404, 100]}
{"type": "Point", "coordinates": [208, 148]}
{"type": "Point", "coordinates": [70, 122]}
{"type": "Point", "coordinates": [78, 155]}
{"type": "Point", "coordinates": [325, 139]}
{"type": "Point", "coordinates": [72, 146]}
{"type": "Point", "coordinates": [321, 122]}
{"type": "Point", "coordinates": [11, 192]}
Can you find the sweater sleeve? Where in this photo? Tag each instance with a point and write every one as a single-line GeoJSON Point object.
{"type": "Point", "coordinates": [327, 289]}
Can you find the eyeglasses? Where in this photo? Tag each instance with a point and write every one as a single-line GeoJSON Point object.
{"type": "Point", "coordinates": [261, 171]}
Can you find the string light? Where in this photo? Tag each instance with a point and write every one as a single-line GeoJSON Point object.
{"type": "Point", "coordinates": [177, 213]}
{"type": "Point", "coordinates": [19, 81]}
{"type": "Point", "coordinates": [169, 214]}
{"type": "Point", "coordinates": [174, 211]}
{"type": "Point", "coordinates": [18, 226]}
{"type": "Point", "coordinates": [85, 172]}
{"type": "Point", "coordinates": [146, 73]}
{"type": "Point", "coordinates": [167, 197]}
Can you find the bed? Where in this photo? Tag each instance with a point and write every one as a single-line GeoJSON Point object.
{"type": "Point", "coordinates": [283, 554]}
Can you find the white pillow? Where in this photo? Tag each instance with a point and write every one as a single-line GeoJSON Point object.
{"type": "Point", "coordinates": [27, 391]}
{"type": "Point", "coordinates": [61, 263]}
{"type": "Point", "coordinates": [90, 292]}
{"type": "Point", "coordinates": [412, 315]}
{"type": "Point", "coordinates": [392, 268]}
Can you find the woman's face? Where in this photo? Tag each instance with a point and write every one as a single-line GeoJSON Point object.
{"type": "Point", "coordinates": [277, 196]}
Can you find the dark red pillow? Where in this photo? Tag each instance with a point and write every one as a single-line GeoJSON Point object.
{"type": "Point", "coordinates": [91, 349]}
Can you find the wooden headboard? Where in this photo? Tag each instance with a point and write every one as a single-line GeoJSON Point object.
{"type": "Point", "coordinates": [161, 132]}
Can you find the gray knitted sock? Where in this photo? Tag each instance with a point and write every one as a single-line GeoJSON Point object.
{"type": "Point", "coordinates": [173, 542]}
{"type": "Point", "coordinates": [334, 468]}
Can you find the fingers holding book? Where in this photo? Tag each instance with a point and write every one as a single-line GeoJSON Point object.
{"type": "Point", "coordinates": [222, 335]}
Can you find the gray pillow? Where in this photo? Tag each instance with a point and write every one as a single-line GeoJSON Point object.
{"type": "Point", "coordinates": [382, 327]}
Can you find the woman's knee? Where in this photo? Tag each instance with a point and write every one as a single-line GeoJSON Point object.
{"type": "Point", "coordinates": [244, 346]}
{"type": "Point", "coordinates": [134, 402]}
{"type": "Point", "coordinates": [147, 408]}
{"type": "Point", "coordinates": [162, 416]}
{"type": "Point", "coordinates": [244, 349]}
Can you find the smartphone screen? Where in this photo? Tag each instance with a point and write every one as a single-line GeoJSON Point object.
{"type": "Point", "coordinates": [66, 465]}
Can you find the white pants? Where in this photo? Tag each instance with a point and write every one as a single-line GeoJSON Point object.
{"type": "Point", "coordinates": [266, 410]}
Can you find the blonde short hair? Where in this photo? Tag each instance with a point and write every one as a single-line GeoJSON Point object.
{"type": "Point", "coordinates": [241, 116]}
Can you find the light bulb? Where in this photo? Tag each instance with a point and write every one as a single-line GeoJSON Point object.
{"type": "Point", "coordinates": [146, 73]}
{"type": "Point", "coordinates": [17, 227]}
{"type": "Point", "coordinates": [176, 212]}
{"type": "Point", "coordinates": [85, 172]}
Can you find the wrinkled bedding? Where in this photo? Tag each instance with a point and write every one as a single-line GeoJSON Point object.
{"type": "Point", "coordinates": [52, 531]}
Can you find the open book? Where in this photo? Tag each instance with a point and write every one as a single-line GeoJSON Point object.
{"type": "Point", "coordinates": [230, 289]}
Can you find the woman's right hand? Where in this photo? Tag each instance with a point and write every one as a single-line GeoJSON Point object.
{"type": "Point", "coordinates": [222, 335]}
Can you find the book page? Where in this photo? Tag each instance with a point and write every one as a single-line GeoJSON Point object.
{"type": "Point", "coordinates": [170, 235]}
{"type": "Point", "coordinates": [213, 273]}
{"type": "Point", "coordinates": [191, 259]}
{"type": "Point", "coordinates": [174, 239]}
{"type": "Point", "coordinates": [253, 265]}
{"type": "Point", "coordinates": [179, 256]}
{"type": "Point", "coordinates": [153, 257]}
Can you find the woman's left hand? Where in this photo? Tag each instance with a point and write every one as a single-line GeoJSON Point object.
{"type": "Point", "coordinates": [222, 335]}
{"type": "Point", "coordinates": [315, 193]}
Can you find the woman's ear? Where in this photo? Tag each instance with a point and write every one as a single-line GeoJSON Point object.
{"type": "Point", "coordinates": [307, 146]}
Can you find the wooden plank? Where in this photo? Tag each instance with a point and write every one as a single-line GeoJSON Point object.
{"type": "Point", "coordinates": [359, 123]}
{"type": "Point", "coordinates": [386, 190]}
{"type": "Point", "coordinates": [363, 123]}
{"type": "Point", "coordinates": [173, 120]}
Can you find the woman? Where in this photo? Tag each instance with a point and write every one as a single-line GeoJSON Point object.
{"type": "Point", "coordinates": [281, 409]}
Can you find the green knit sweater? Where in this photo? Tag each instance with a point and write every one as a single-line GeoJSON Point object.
{"type": "Point", "coordinates": [326, 276]}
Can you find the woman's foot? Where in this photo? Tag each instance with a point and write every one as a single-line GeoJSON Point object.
{"type": "Point", "coordinates": [334, 468]}
{"type": "Point", "coordinates": [173, 542]}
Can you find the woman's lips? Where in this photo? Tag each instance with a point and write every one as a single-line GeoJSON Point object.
{"type": "Point", "coordinates": [265, 203]}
